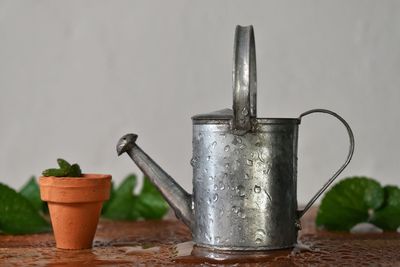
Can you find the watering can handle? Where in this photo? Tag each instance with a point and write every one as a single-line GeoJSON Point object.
{"type": "Point", "coordinates": [336, 174]}
{"type": "Point", "coordinates": [244, 76]}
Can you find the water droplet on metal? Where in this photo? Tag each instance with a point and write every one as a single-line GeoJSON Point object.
{"type": "Point", "coordinates": [249, 162]}
{"type": "Point", "coordinates": [242, 146]}
{"type": "Point", "coordinates": [240, 190]}
{"type": "Point", "coordinates": [221, 212]}
{"type": "Point", "coordinates": [252, 154]}
{"type": "Point", "coordinates": [215, 187]}
{"type": "Point", "coordinates": [261, 231]}
{"type": "Point", "coordinates": [261, 156]}
{"type": "Point", "coordinates": [215, 197]}
{"type": "Point", "coordinates": [217, 239]}
{"type": "Point", "coordinates": [207, 237]}
{"type": "Point", "coordinates": [245, 112]}
{"type": "Point", "coordinates": [235, 209]}
{"type": "Point", "coordinates": [193, 161]}
{"type": "Point", "coordinates": [214, 144]}
{"type": "Point", "coordinates": [268, 195]}
{"type": "Point", "coordinates": [246, 176]}
{"type": "Point", "coordinates": [257, 189]}
{"type": "Point", "coordinates": [237, 140]}
{"type": "Point", "coordinates": [221, 186]}
{"type": "Point", "coordinates": [260, 236]}
{"type": "Point", "coordinates": [211, 178]}
{"type": "Point", "coordinates": [226, 165]}
{"type": "Point", "coordinates": [226, 148]}
{"type": "Point", "coordinates": [208, 158]}
{"type": "Point", "coordinates": [209, 201]}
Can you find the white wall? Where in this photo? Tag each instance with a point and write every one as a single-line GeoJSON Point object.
{"type": "Point", "coordinates": [77, 75]}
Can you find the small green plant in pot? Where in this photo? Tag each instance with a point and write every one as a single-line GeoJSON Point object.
{"type": "Point", "coordinates": [65, 170]}
{"type": "Point", "coordinates": [75, 201]}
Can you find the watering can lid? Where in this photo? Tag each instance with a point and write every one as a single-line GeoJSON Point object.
{"type": "Point", "coordinates": [222, 115]}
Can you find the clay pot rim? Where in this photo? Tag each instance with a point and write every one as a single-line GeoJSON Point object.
{"type": "Point", "coordinates": [87, 180]}
{"type": "Point", "coordinates": [84, 176]}
{"type": "Point", "coordinates": [89, 188]}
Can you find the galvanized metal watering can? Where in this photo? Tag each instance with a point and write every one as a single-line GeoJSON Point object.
{"type": "Point", "coordinates": [244, 169]}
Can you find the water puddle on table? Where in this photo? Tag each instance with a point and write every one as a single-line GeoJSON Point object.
{"type": "Point", "coordinates": [189, 253]}
{"type": "Point", "coordinates": [138, 250]}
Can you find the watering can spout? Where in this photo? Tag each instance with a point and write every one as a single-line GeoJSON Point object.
{"type": "Point", "coordinates": [179, 200]}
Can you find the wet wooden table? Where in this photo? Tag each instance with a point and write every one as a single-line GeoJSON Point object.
{"type": "Point", "coordinates": [168, 242]}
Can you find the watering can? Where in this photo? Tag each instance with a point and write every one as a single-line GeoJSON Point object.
{"type": "Point", "coordinates": [244, 169]}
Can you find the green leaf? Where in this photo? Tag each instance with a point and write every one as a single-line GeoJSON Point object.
{"type": "Point", "coordinates": [18, 215]}
{"type": "Point", "coordinates": [122, 206]}
{"type": "Point", "coordinates": [349, 202]}
{"type": "Point", "coordinates": [65, 170]}
{"type": "Point", "coordinates": [64, 165]}
{"type": "Point", "coordinates": [55, 172]}
{"type": "Point", "coordinates": [31, 192]}
{"type": "Point", "coordinates": [388, 216]}
{"type": "Point", "coordinates": [74, 171]}
{"type": "Point", "coordinates": [149, 204]}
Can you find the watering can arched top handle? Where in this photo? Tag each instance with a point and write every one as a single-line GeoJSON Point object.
{"type": "Point", "coordinates": [244, 79]}
{"type": "Point", "coordinates": [336, 174]}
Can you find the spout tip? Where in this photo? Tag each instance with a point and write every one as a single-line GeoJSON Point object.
{"type": "Point", "coordinates": [125, 143]}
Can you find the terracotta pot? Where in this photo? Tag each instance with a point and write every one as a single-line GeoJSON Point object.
{"type": "Point", "coordinates": [75, 205]}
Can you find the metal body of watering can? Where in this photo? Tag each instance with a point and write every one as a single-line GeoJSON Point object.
{"type": "Point", "coordinates": [244, 169]}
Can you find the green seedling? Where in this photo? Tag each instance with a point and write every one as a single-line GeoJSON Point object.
{"type": "Point", "coordinates": [65, 170]}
